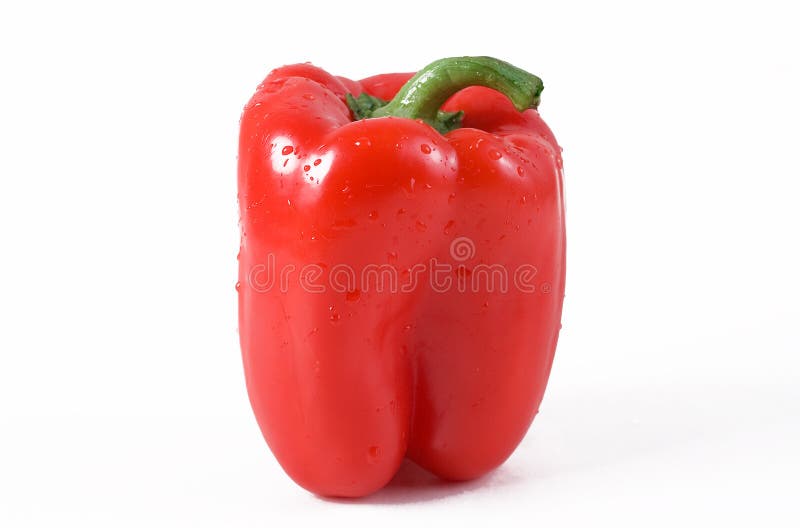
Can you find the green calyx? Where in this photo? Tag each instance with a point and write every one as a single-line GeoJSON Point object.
{"type": "Point", "coordinates": [424, 94]}
{"type": "Point", "coordinates": [364, 106]}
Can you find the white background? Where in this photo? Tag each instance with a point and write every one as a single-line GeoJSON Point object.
{"type": "Point", "coordinates": [674, 396]}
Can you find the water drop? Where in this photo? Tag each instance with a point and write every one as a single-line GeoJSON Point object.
{"type": "Point", "coordinates": [391, 257]}
{"type": "Point", "coordinates": [421, 226]}
{"type": "Point", "coordinates": [495, 154]}
{"type": "Point", "coordinates": [306, 168]}
{"type": "Point", "coordinates": [425, 148]}
{"type": "Point", "coordinates": [308, 97]}
{"type": "Point", "coordinates": [374, 452]}
{"type": "Point", "coordinates": [363, 142]}
{"type": "Point", "coordinates": [451, 197]}
{"type": "Point", "coordinates": [462, 272]}
{"type": "Point", "coordinates": [373, 215]}
{"type": "Point", "coordinates": [317, 162]}
{"type": "Point", "coordinates": [288, 149]}
{"type": "Point", "coordinates": [353, 295]}
{"type": "Point", "coordinates": [520, 171]}
{"type": "Point", "coordinates": [448, 226]}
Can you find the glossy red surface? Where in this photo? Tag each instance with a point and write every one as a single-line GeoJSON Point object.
{"type": "Point", "coordinates": [347, 381]}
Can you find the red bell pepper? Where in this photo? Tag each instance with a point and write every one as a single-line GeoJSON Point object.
{"type": "Point", "coordinates": [401, 269]}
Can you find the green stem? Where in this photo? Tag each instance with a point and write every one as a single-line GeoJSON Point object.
{"type": "Point", "coordinates": [424, 94]}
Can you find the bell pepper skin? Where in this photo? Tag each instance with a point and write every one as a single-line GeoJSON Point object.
{"type": "Point", "coordinates": [347, 379]}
